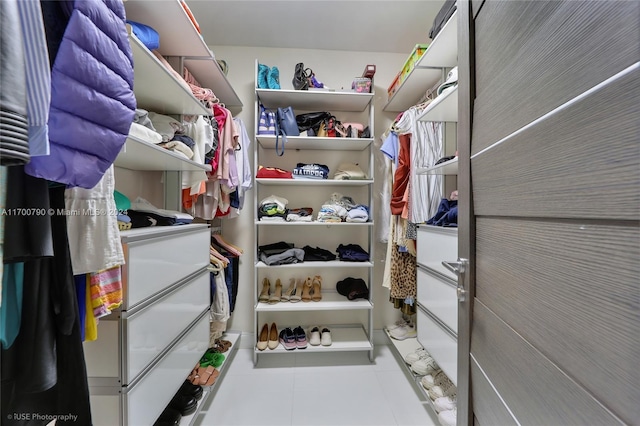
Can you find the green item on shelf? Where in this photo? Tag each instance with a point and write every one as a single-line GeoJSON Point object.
{"type": "Point", "coordinates": [210, 358]}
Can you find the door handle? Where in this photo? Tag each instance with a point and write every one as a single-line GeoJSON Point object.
{"type": "Point", "coordinates": [458, 267]}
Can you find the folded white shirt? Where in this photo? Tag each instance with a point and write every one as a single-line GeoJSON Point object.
{"type": "Point", "coordinates": [142, 205]}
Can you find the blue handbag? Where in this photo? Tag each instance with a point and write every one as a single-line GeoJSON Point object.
{"type": "Point", "coordinates": [286, 125]}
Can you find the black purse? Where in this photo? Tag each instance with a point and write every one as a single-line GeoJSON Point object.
{"type": "Point", "coordinates": [301, 77]}
{"type": "Point", "coordinates": [311, 120]}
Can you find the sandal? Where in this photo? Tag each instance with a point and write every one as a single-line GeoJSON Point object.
{"type": "Point", "coordinates": [210, 358]}
{"type": "Point", "coordinates": [204, 374]}
{"type": "Point", "coordinates": [212, 378]}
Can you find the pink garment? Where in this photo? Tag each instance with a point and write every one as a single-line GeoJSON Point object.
{"type": "Point", "coordinates": [227, 145]}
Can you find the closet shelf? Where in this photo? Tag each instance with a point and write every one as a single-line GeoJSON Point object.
{"type": "Point", "coordinates": [156, 89]}
{"type": "Point", "coordinates": [447, 168]}
{"type": "Point", "coordinates": [331, 301]}
{"type": "Point", "coordinates": [208, 391]}
{"type": "Point", "coordinates": [318, 265]}
{"type": "Point", "coordinates": [209, 75]}
{"type": "Point", "coordinates": [442, 108]}
{"type": "Point", "coordinates": [316, 143]}
{"type": "Point", "coordinates": [312, 100]}
{"type": "Point", "coordinates": [314, 223]}
{"type": "Point", "coordinates": [343, 339]}
{"type": "Point", "coordinates": [442, 53]}
{"type": "Point", "coordinates": [138, 154]}
{"type": "Point", "coordinates": [313, 182]}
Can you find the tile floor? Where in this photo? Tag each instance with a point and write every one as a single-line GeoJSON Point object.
{"type": "Point", "coordinates": [316, 389]}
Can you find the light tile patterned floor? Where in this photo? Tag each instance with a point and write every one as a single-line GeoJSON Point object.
{"type": "Point", "coordinates": [338, 389]}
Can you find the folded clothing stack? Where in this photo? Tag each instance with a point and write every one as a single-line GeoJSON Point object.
{"type": "Point", "coordinates": [349, 171]}
{"type": "Point", "coordinates": [358, 214]}
{"type": "Point", "coordinates": [303, 214]}
{"type": "Point", "coordinates": [281, 253]}
{"type": "Point", "coordinates": [341, 208]}
{"type": "Point", "coordinates": [310, 171]}
{"type": "Point", "coordinates": [317, 254]}
{"type": "Point", "coordinates": [352, 253]}
{"type": "Point", "coordinates": [273, 208]}
{"type": "Point", "coordinates": [273, 173]}
{"type": "Point", "coordinates": [143, 213]}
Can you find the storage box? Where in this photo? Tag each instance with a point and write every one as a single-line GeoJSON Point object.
{"type": "Point", "coordinates": [413, 59]}
{"type": "Point", "coordinates": [394, 85]}
{"type": "Point", "coordinates": [361, 85]}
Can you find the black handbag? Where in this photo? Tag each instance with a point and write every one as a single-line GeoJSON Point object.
{"type": "Point", "coordinates": [311, 120]}
{"type": "Point", "coordinates": [301, 77]}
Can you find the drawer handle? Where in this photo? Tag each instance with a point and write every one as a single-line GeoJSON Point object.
{"type": "Point", "coordinates": [459, 268]}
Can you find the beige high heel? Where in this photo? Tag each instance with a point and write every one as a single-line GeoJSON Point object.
{"type": "Point", "coordinates": [306, 290]}
{"type": "Point", "coordinates": [264, 294]}
{"type": "Point", "coordinates": [317, 288]}
{"type": "Point", "coordinates": [287, 294]}
{"type": "Point", "coordinates": [297, 293]}
{"type": "Point", "coordinates": [277, 295]}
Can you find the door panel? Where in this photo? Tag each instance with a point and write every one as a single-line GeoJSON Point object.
{"type": "Point", "coordinates": [491, 407]}
{"type": "Point", "coordinates": [536, 276]}
{"type": "Point", "coordinates": [536, 391]}
{"type": "Point", "coordinates": [532, 56]}
{"type": "Point", "coordinates": [581, 162]}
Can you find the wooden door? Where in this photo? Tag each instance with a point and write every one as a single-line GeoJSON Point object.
{"type": "Point", "coordinates": [549, 181]}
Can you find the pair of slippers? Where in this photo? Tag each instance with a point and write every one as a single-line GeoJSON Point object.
{"type": "Point", "coordinates": [203, 376]}
{"type": "Point", "coordinates": [221, 346]}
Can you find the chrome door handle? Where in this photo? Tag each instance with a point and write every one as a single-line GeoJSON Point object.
{"type": "Point", "coordinates": [459, 267]}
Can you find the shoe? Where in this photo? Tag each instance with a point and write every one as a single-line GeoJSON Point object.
{"type": "Point", "coordinates": [314, 336]}
{"type": "Point", "coordinates": [301, 337]}
{"type": "Point", "coordinates": [438, 391]}
{"type": "Point", "coordinates": [184, 404]}
{"type": "Point", "coordinates": [288, 339]}
{"type": "Point", "coordinates": [296, 296]}
{"type": "Point", "coordinates": [424, 366]}
{"type": "Point", "coordinates": [190, 389]}
{"type": "Point", "coordinates": [263, 70]}
{"type": "Point", "coordinates": [306, 290]}
{"type": "Point", "coordinates": [317, 288]}
{"type": "Point", "coordinates": [266, 288]}
{"type": "Point", "coordinates": [273, 337]}
{"type": "Point", "coordinates": [277, 295]}
{"type": "Point", "coordinates": [212, 358]}
{"type": "Point", "coordinates": [325, 338]}
{"type": "Point", "coordinates": [448, 418]}
{"type": "Point", "coordinates": [263, 340]}
{"type": "Point", "coordinates": [429, 380]}
{"type": "Point", "coordinates": [406, 331]}
{"type": "Point", "coordinates": [396, 324]}
{"type": "Point", "coordinates": [169, 417]}
{"type": "Point", "coordinates": [445, 403]}
{"type": "Point", "coordinates": [412, 357]}
{"type": "Point", "coordinates": [273, 78]}
{"type": "Point", "coordinates": [286, 296]}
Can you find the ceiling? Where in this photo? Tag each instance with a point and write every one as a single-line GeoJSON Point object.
{"type": "Point", "coordinates": [351, 25]}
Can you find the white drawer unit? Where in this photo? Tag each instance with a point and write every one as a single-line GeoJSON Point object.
{"type": "Point", "coordinates": [157, 258]}
{"type": "Point", "coordinates": [439, 341]}
{"type": "Point", "coordinates": [438, 295]}
{"type": "Point", "coordinates": [436, 244]}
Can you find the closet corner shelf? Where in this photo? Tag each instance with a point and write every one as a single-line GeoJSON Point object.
{"type": "Point", "coordinates": [312, 100]}
{"type": "Point", "coordinates": [209, 75]}
{"type": "Point", "coordinates": [316, 143]}
{"type": "Point", "coordinates": [447, 168]}
{"type": "Point", "coordinates": [314, 182]}
{"type": "Point", "coordinates": [156, 89]}
{"type": "Point", "coordinates": [442, 53]}
{"type": "Point", "coordinates": [314, 223]}
{"type": "Point", "coordinates": [138, 154]}
{"type": "Point", "coordinates": [442, 108]}
{"type": "Point", "coordinates": [331, 301]}
{"type": "Point", "coordinates": [347, 338]}
{"type": "Point", "coordinates": [318, 265]}
{"type": "Point", "coordinates": [208, 391]}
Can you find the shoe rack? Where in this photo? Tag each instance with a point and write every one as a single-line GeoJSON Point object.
{"type": "Point", "coordinates": [318, 304]}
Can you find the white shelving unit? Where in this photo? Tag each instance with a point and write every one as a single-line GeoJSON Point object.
{"type": "Point", "coordinates": [138, 154]}
{"type": "Point", "coordinates": [447, 168]}
{"type": "Point", "coordinates": [351, 322]}
{"type": "Point", "coordinates": [442, 53]}
{"type": "Point", "coordinates": [442, 108]}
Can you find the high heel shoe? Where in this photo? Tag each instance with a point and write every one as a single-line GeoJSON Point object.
{"type": "Point", "coordinates": [263, 340]}
{"type": "Point", "coordinates": [306, 290]}
{"type": "Point", "coordinates": [297, 293]}
{"type": "Point", "coordinates": [264, 294]}
{"type": "Point", "coordinates": [287, 294]}
{"type": "Point", "coordinates": [277, 294]}
{"type": "Point", "coordinates": [317, 288]}
{"type": "Point", "coordinates": [273, 337]}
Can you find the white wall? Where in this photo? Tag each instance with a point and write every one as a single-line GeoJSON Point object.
{"type": "Point", "coordinates": [336, 69]}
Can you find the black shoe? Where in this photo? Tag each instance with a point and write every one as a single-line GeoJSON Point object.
{"type": "Point", "coordinates": [169, 417]}
{"type": "Point", "coordinates": [190, 389]}
{"type": "Point", "coordinates": [185, 404]}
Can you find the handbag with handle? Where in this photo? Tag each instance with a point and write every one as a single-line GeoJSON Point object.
{"type": "Point", "coordinates": [311, 120]}
{"type": "Point", "coordinates": [266, 122]}
{"type": "Point", "coordinates": [285, 126]}
{"type": "Point", "coordinates": [301, 77]}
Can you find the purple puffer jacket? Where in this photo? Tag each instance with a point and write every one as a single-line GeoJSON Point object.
{"type": "Point", "coordinates": [92, 101]}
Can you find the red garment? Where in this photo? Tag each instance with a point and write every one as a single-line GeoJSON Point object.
{"type": "Point", "coordinates": [273, 172]}
{"type": "Point", "coordinates": [401, 176]}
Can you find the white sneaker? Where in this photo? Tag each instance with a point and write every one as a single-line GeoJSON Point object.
{"type": "Point", "coordinates": [396, 324]}
{"type": "Point", "coordinates": [325, 340]}
{"type": "Point", "coordinates": [443, 389]}
{"type": "Point", "coordinates": [445, 403]}
{"type": "Point", "coordinates": [428, 381]}
{"type": "Point", "coordinates": [406, 331]}
{"type": "Point", "coordinates": [314, 336]}
{"type": "Point", "coordinates": [412, 357]}
{"type": "Point", "coordinates": [448, 418]}
{"type": "Point", "coordinates": [424, 366]}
